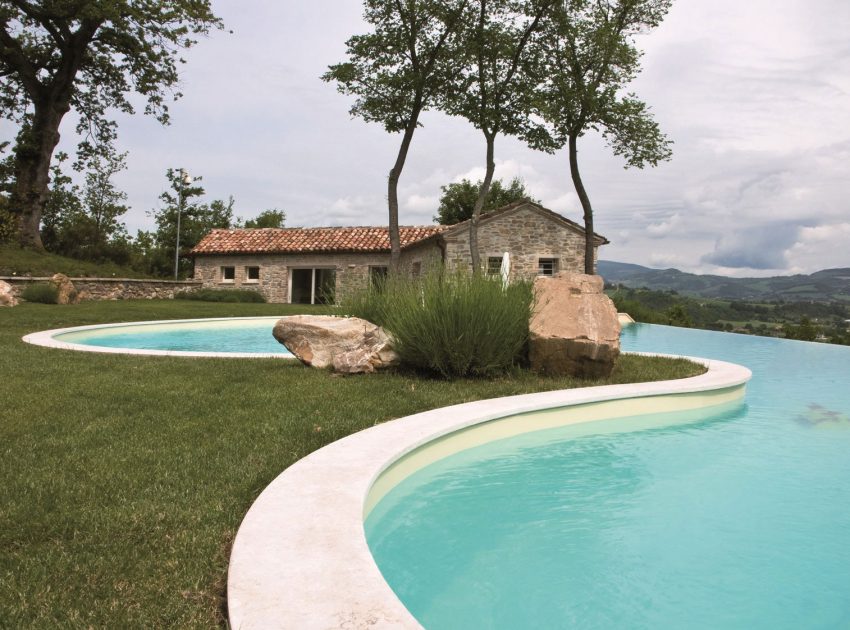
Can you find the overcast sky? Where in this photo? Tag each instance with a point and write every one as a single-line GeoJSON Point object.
{"type": "Point", "coordinates": [754, 94]}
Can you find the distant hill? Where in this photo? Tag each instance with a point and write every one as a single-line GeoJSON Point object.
{"type": "Point", "coordinates": [828, 285]}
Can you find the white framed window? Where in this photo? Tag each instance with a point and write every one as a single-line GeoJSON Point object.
{"type": "Point", "coordinates": [494, 265]}
{"type": "Point", "coordinates": [252, 275]}
{"type": "Point", "coordinates": [227, 274]}
{"type": "Point", "coordinates": [547, 266]}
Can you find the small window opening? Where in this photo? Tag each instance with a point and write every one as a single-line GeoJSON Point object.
{"type": "Point", "coordinates": [547, 266]}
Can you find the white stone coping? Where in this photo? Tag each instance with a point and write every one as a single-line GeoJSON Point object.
{"type": "Point", "coordinates": [300, 558]}
{"type": "Point", "coordinates": [47, 338]}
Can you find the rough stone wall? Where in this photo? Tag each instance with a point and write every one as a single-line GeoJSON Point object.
{"type": "Point", "coordinates": [528, 236]}
{"type": "Point", "coordinates": [352, 270]}
{"type": "Point", "coordinates": [114, 288]}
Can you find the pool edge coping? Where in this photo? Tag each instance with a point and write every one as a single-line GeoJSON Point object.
{"type": "Point", "coordinates": [46, 339]}
{"type": "Point", "coordinates": [300, 556]}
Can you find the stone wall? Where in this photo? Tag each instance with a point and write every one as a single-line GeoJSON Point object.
{"type": "Point", "coordinates": [528, 236]}
{"type": "Point", "coordinates": [114, 288]}
{"type": "Point", "coordinates": [352, 270]}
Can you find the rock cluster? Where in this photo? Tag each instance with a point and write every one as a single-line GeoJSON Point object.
{"type": "Point", "coordinates": [347, 344]}
{"type": "Point", "coordinates": [67, 292]}
{"type": "Point", "coordinates": [7, 295]}
{"type": "Point", "coordinates": [574, 329]}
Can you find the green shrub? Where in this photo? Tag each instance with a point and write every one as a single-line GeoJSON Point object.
{"type": "Point", "coordinates": [451, 324]}
{"type": "Point", "coordinates": [220, 295]}
{"type": "Point", "coordinates": [43, 292]}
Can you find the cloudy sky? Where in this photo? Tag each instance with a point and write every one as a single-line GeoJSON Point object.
{"type": "Point", "coordinates": [754, 94]}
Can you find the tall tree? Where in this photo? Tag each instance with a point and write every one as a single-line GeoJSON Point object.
{"type": "Point", "coordinates": [196, 219]}
{"type": "Point", "coordinates": [458, 199]}
{"type": "Point", "coordinates": [399, 70]}
{"type": "Point", "coordinates": [494, 87]}
{"type": "Point", "coordinates": [588, 57]}
{"type": "Point", "coordinates": [89, 56]}
{"type": "Point", "coordinates": [271, 218]}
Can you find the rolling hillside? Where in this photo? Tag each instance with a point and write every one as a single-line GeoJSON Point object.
{"type": "Point", "coordinates": [828, 285]}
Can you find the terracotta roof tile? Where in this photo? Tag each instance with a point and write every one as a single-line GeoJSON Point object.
{"type": "Point", "coordinates": [309, 240]}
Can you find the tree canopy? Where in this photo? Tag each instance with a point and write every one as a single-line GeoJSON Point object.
{"type": "Point", "coordinates": [587, 57]}
{"type": "Point", "coordinates": [88, 56]}
{"type": "Point", "coordinates": [271, 218]}
{"type": "Point", "coordinates": [458, 199]}
{"type": "Point", "coordinates": [493, 87]}
{"type": "Point", "coordinates": [398, 70]}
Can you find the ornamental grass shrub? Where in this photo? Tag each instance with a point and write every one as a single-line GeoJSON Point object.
{"type": "Point", "coordinates": [42, 292]}
{"type": "Point", "coordinates": [451, 324]}
{"type": "Point", "coordinates": [220, 295]}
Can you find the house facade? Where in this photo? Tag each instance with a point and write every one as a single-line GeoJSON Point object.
{"type": "Point", "coordinates": [323, 265]}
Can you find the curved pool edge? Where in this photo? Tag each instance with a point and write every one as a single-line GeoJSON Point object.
{"type": "Point", "coordinates": [300, 557]}
{"type": "Point", "coordinates": [46, 339]}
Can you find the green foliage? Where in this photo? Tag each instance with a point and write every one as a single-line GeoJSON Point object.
{"type": "Point", "coordinates": [272, 218]}
{"type": "Point", "coordinates": [16, 261]}
{"type": "Point", "coordinates": [41, 292]}
{"type": "Point", "coordinates": [458, 199]}
{"type": "Point", "coordinates": [588, 55]}
{"type": "Point", "coordinates": [83, 223]}
{"type": "Point", "coordinates": [677, 315]}
{"type": "Point", "coordinates": [454, 325]}
{"type": "Point", "coordinates": [196, 219]}
{"type": "Point", "coordinates": [221, 295]}
{"type": "Point", "coordinates": [398, 70]}
{"type": "Point", "coordinates": [492, 88]}
{"type": "Point", "coordinates": [89, 58]}
{"type": "Point", "coordinates": [402, 66]}
{"type": "Point", "coordinates": [804, 331]}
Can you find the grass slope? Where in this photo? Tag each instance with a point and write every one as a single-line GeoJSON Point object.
{"type": "Point", "coordinates": [26, 262]}
{"type": "Point", "coordinates": [126, 477]}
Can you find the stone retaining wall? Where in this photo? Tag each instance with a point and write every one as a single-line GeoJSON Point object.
{"type": "Point", "coordinates": [114, 288]}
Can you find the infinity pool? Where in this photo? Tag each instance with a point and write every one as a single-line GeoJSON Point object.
{"type": "Point", "coordinates": [738, 520]}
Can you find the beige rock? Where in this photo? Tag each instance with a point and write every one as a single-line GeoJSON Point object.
{"type": "Point", "coordinates": [7, 294]}
{"type": "Point", "coordinates": [67, 293]}
{"type": "Point", "coordinates": [574, 329]}
{"type": "Point", "coordinates": [348, 344]}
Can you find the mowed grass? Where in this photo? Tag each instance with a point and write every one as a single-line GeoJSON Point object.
{"type": "Point", "coordinates": [125, 478]}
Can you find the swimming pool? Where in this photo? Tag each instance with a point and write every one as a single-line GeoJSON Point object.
{"type": "Point", "coordinates": [222, 337]}
{"type": "Point", "coordinates": [738, 520]}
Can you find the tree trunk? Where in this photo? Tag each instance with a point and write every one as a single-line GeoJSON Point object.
{"type": "Point", "coordinates": [479, 204]}
{"type": "Point", "coordinates": [585, 204]}
{"type": "Point", "coordinates": [392, 189]}
{"type": "Point", "coordinates": [32, 171]}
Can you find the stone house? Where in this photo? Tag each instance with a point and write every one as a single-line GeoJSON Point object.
{"type": "Point", "coordinates": [322, 265]}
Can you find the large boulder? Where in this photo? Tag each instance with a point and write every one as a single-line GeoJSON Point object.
{"type": "Point", "coordinates": [7, 294]}
{"type": "Point", "coordinates": [347, 344]}
{"type": "Point", "coordinates": [574, 329]}
{"type": "Point", "coordinates": [67, 293]}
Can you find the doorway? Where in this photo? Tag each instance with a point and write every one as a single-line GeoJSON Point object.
{"type": "Point", "coordinates": [312, 286]}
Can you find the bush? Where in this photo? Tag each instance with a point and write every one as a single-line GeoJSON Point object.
{"type": "Point", "coordinates": [43, 292]}
{"type": "Point", "coordinates": [220, 295]}
{"type": "Point", "coordinates": [451, 324]}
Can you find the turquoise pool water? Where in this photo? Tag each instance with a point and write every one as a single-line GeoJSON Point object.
{"type": "Point", "coordinates": [737, 520]}
{"type": "Point", "coordinates": [214, 335]}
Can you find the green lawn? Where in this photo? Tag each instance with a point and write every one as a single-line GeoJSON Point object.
{"type": "Point", "coordinates": [125, 478]}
